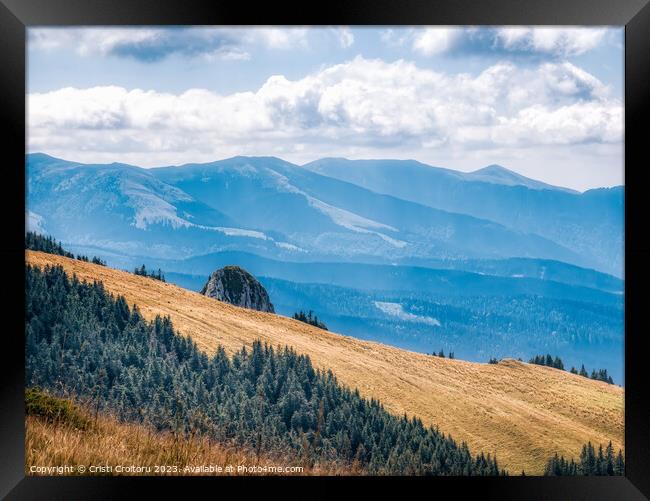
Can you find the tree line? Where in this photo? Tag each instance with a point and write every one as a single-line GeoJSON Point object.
{"type": "Point", "coordinates": [142, 271]}
{"type": "Point", "coordinates": [310, 318]}
{"type": "Point", "coordinates": [589, 463]}
{"type": "Point", "coordinates": [84, 343]}
{"type": "Point", "coordinates": [42, 243]}
{"type": "Point", "coordinates": [549, 361]}
{"type": "Point", "coordinates": [441, 354]}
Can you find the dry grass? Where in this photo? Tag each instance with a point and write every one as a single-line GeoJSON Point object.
{"type": "Point", "coordinates": [523, 412]}
{"type": "Point", "coordinates": [109, 443]}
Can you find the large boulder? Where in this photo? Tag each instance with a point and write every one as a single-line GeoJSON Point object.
{"type": "Point", "coordinates": [236, 286]}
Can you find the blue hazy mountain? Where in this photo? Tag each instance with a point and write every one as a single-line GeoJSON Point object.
{"type": "Point", "coordinates": [590, 223]}
{"type": "Point", "coordinates": [261, 205]}
{"type": "Point", "coordinates": [470, 277]}
{"type": "Point", "coordinates": [125, 209]}
{"type": "Point", "coordinates": [496, 174]}
{"type": "Point", "coordinates": [342, 219]}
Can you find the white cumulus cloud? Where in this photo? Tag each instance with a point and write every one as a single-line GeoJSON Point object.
{"type": "Point", "coordinates": [435, 40]}
{"type": "Point", "coordinates": [363, 103]}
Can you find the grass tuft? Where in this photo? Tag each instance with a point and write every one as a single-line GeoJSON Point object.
{"type": "Point", "coordinates": [55, 410]}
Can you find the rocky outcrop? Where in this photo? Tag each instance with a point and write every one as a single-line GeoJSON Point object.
{"type": "Point", "coordinates": [236, 286]}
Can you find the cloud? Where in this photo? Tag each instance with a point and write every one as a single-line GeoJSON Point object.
{"type": "Point", "coordinates": [277, 38]}
{"type": "Point", "coordinates": [395, 37]}
{"type": "Point", "coordinates": [551, 40]}
{"type": "Point", "coordinates": [363, 104]}
{"type": "Point", "coordinates": [429, 41]}
{"type": "Point", "coordinates": [154, 44]}
{"type": "Point", "coordinates": [537, 41]}
{"type": "Point", "coordinates": [345, 36]}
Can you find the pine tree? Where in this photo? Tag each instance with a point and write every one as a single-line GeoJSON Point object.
{"type": "Point", "coordinates": [619, 465]}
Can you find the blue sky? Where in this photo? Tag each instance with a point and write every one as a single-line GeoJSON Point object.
{"type": "Point", "coordinates": [545, 102]}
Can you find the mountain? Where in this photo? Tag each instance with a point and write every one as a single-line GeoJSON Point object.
{"type": "Point", "coordinates": [522, 412]}
{"type": "Point", "coordinates": [497, 174]}
{"type": "Point", "coordinates": [261, 205]}
{"type": "Point", "coordinates": [118, 207]}
{"type": "Point", "coordinates": [468, 277]}
{"type": "Point", "coordinates": [333, 218]}
{"type": "Point", "coordinates": [236, 286]}
{"type": "Point", "coordinates": [590, 223]}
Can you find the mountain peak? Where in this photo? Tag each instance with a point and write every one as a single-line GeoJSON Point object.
{"type": "Point", "coordinates": [493, 169]}
{"type": "Point", "coordinates": [497, 174]}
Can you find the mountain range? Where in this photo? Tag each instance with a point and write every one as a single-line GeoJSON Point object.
{"type": "Point", "coordinates": [590, 224]}
{"type": "Point", "coordinates": [390, 212]}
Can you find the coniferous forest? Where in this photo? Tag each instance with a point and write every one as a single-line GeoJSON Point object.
{"type": "Point", "coordinates": [142, 271]}
{"type": "Point", "coordinates": [590, 463]}
{"type": "Point", "coordinates": [42, 243]}
{"type": "Point", "coordinates": [36, 242]}
{"type": "Point", "coordinates": [556, 363]}
{"type": "Point", "coordinates": [310, 318]}
{"type": "Point", "coordinates": [81, 342]}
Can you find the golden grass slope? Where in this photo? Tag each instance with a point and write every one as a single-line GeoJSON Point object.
{"type": "Point", "coordinates": [119, 446]}
{"type": "Point", "coordinates": [524, 413]}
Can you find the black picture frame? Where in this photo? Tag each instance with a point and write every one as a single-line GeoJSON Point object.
{"type": "Point", "coordinates": [17, 15]}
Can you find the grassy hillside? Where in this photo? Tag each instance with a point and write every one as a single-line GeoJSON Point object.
{"type": "Point", "coordinates": [79, 437]}
{"type": "Point", "coordinates": [524, 413]}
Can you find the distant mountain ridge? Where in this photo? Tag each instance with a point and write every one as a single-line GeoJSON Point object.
{"type": "Point", "coordinates": [590, 223]}
{"type": "Point", "coordinates": [261, 205]}
{"type": "Point", "coordinates": [500, 175]}
{"type": "Point", "coordinates": [504, 276]}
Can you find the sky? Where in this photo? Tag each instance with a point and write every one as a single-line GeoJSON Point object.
{"type": "Point", "coordinates": [546, 102]}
